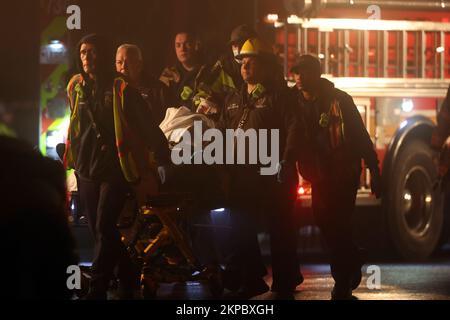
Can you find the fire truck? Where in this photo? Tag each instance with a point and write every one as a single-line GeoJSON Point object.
{"type": "Point", "coordinates": [397, 72]}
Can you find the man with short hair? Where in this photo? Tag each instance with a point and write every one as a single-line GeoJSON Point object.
{"type": "Point", "coordinates": [130, 64]}
{"type": "Point", "coordinates": [109, 138]}
{"type": "Point", "coordinates": [182, 80]}
{"type": "Point", "coordinates": [334, 142]}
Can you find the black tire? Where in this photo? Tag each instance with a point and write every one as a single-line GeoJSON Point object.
{"type": "Point", "coordinates": [414, 215]}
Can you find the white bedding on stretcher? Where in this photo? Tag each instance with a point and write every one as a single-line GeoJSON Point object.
{"type": "Point", "coordinates": [179, 120]}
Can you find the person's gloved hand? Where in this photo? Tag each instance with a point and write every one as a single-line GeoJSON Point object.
{"type": "Point", "coordinates": [164, 173]}
{"type": "Point", "coordinates": [207, 107]}
{"type": "Point", "coordinates": [376, 183]}
{"type": "Point", "coordinates": [286, 171]}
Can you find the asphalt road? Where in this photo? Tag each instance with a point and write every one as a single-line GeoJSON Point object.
{"type": "Point", "coordinates": [429, 281]}
{"type": "Point", "coordinates": [383, 279]}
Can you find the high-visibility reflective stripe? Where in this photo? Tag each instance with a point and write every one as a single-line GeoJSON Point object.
{"type": "Point", "coordinates": [124, 153]}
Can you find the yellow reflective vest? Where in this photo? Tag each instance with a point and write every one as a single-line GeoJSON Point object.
{"type": "Point", "coordinates": [134, 157]}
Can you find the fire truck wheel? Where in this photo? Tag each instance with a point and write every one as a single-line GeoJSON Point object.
{"type": "Point", "coordinates": [415, 216]}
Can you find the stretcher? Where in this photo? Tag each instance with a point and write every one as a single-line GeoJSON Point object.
{"type": "Point", "coordinates": [159, 243]}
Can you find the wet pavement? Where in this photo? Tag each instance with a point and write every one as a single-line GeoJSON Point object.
{"type": "Point", "coordinates": [382, 280]}
{"type": "Point", "coordinates": [397, 281]}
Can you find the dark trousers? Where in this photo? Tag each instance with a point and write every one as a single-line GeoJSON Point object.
{"type": "Point", "coordinates": [260, 198]}
{"type": "Point", "coordinates": [244, 259]}
{"type": "Point", "coordinates": [283, 228]}
{"type": "Point", "coordinates": [103, 203]}
{"type": "Point", "coordinates": [333, 207]}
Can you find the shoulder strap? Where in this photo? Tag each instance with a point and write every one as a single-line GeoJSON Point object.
{"type": "Point", "coordinates": [71, 92]}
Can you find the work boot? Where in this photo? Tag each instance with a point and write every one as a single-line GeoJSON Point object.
{"type": "Point", "coordinates": [357, 273]}
{"type": "Point", "coordinates": [253, 288]}
{"type": "Point", "coordinates": [341, 292]}
{"type": "Point", "coordinates": [284, 289]}
{"type": "Point", "coordinates": [356, 279]}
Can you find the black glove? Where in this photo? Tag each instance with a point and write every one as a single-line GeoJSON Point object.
{"type": "Point", "coordinates": [376, 183]}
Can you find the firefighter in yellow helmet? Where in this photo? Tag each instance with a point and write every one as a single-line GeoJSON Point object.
{"type": "Point", "coordinates": [263, 102]}
{"type": "Point", "coordinates": [224, 76]}
{"type": "Point", "coordinates": [109, 137]}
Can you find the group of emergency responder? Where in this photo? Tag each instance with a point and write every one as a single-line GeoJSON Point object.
{"type": "Point", "coordinates": [114, 125]}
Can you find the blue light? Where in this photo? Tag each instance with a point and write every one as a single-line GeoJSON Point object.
{"type": "Point", "coordinates": [403, 124]}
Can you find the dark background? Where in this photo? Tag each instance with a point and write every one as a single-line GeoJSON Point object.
{"type": "Point", "coordinates": [151, 24]}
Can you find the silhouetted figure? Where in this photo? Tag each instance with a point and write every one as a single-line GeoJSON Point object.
{"type": "Point", "coordinates": [35, 239]}
{"type": "Point", "coordinates": [334, 142]}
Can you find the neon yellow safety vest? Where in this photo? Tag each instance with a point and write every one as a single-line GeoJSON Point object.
{"type": "Point", "coordinates": [134, 157]}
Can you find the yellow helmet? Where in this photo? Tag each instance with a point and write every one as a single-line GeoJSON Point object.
{"type": "Point", "coordinates": [254, 47]}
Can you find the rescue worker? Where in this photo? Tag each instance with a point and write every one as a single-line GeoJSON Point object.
{"type": "Point", "coordinates": [224, 76]}
{"type": "Point", "coordinates": [110, 132]}
{"type": "Point", "coordinates": [334, 142]}
{"type": "Point", "coordinates": [226, 73]}
{"type": "Point", "coordinates": [262, 103]}
{"type": "Point", "coordinates": [183, 79]}
{"type": "Point", "coordinates": [130, 64]}
{"type": "Point", "coordinates": [442, 130]}
{"type": "Point", "coordinates": [442, 160]}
